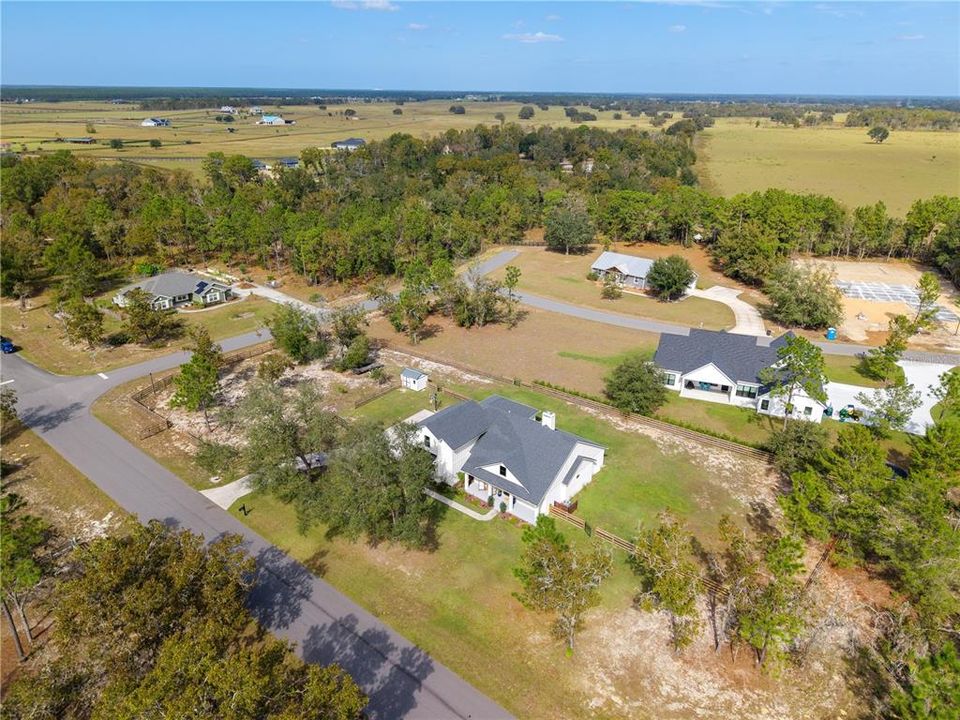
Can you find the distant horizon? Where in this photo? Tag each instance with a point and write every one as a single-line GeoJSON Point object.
{"type": "Point", "coordinates": [299, 92]}
{"type": "Point", "coordinates": [684, 47]}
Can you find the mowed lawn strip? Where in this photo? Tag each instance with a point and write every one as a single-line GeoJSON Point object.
{"type": "Point", "coordinates": [42, 340]}
{"type": "Point", "coordinates": [564, 277]}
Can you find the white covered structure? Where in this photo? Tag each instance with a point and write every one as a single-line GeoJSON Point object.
{"type": "Point", "coordinates": [413, 379]}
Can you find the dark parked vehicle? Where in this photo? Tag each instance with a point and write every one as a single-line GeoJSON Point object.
{"type": "Point", "coordinates": [6, 345]}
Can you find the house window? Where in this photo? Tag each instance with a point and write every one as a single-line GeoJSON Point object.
{"type": "Point", "coordinates": [746, 391]}
{"type": "Point", "coordinates": [513, 502]}
{"type": "Point", "coordinates": [481, 486]}
{"type": "Point", "coordinates": [808, 411]}
{"type": "Point", "coordinates": [671, 379]}
{"type": "Point", "coordinates": [426, 441]}
{"type": "Point", "coordinates": [764, 404]}
{"type": "Point", "coordinates": [503, 471]}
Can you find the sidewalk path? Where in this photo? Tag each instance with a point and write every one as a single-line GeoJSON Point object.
{"type": "Point", "coordinates": [486, 517]}
{"type": "Point", "coordinates": [749, 321]}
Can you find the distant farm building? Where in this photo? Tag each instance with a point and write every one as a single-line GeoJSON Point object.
{"type": "Point", "coordinates": [229, 109]}
{"type": "Point", "coordinates": [256, 110]}
{"type": "Point", "coordinates": [271, 120]}
{"type": "Point", "coordinates": [288, 162]}
{"type": "Point", "coordinates": [349, 144]}
{"type": "Point", "coordinates": [155, 122]}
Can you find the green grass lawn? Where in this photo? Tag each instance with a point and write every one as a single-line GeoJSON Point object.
{"type": "Point", "coordinates": [843, 369]}
{"type": "Point", "coordinates": [736, 422]}
{"type": "Point", "coordinates": [455, 603]}
{"type": "Point", "coordinates": [43, 342]}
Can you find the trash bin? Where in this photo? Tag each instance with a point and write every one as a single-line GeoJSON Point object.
{"type": "Point", "coordinates": [831, 333]}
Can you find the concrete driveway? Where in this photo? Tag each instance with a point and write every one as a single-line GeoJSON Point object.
{"type": "Point", "coordinates": [749, 321]}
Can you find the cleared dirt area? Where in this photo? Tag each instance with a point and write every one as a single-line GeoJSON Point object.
{"type": "Point", "coordinates": [544, 346]}
{"type": "Point", "coordinates": [564, 277]}
{"type": "Point", "coordinates": [866, 320]}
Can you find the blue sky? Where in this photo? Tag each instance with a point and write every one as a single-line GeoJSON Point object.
{"type": "Point", "coordinates": [686, 46]}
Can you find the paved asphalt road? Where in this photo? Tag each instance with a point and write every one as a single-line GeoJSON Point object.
{"type": "Point", "coordinates": [401, 680]}
{"type": "Point", "coordinates": [638, 323]}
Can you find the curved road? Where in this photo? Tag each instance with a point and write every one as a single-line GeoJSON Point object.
{"type": "Point", "coordinates": [401, 680]}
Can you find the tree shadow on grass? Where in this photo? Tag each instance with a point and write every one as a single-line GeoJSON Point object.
{"type": "Point", "coordinates": [390, 676]}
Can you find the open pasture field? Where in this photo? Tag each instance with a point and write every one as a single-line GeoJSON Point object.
{"type": "Point", "coordinates": [735, 156]}
{"type": "Point", "coordinates": [564, 277]}
{"type": "Point", "coordinates": [195, 133]}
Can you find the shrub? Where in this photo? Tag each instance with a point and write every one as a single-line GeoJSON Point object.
{"type": "Point", "coordinates": [611, 289]}
{"type": "Point", "coordinates": [804, 297]}
{"type": "Point", "coordinates": [636, 385]}
{"type": "Point", "coordinates": [490, 501]}
{"type": "Point", "coordinates": [669, 277]}
{"type": "Point", "coordinates": [592, 276]}
{"type": "Point", "coordinates": [503, 506]}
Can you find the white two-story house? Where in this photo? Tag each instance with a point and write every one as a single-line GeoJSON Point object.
{"type": "Point", "coordinates": [725, 368]}
{"type": "Point", "coordinates": [504, 454]}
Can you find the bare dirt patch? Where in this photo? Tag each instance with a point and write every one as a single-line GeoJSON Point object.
{"type": "Point", "coordinates": [866, 320]}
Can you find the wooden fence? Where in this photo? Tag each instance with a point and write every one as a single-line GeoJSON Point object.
{"type": "Point", "coordinates": [654, 423]}
{"type": "Point", "coordinates": [618, 542]}
{"type": "Point", "coordinates": [376, 396]}
{"type": "Point", "coordinates": [158, 423]}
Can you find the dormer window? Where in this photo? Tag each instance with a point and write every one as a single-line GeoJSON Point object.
{"type": "Point", "coordinates": [503, 471]}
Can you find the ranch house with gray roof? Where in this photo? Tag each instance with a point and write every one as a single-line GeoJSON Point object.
{"type": "Point", "coordinates": [175, 288]}
{"type": "Point", "coordinates": [628, 271]}
{"type": "Point", "coordinates": [726, 368]}
{"type": "Point", "coordinates": [504, 452]}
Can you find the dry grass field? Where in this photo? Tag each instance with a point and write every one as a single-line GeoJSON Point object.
{"type": "Point", "coordinates": [195, 133]}
{"type": "Point", "coordinates": [564, 277]}
{"type": "Point", "coordinates": [735, 156]}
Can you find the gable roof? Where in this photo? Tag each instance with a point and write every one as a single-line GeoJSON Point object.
{"type": "Point", "coordinates": [411, 374]}
{"type": "Point", "coordinates": [626, 264]}
{"type": "Point", "coordinates": [507, 433]}
{"type": "Point", "coordinates": [739, 357]}
{"type": "Point", "coordinates": [174, 283]}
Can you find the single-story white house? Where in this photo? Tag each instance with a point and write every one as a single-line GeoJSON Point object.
{"type": "Point", "coordinates": [155, 122]}
{"type": "Point", "coordinates": [725, 368]}
{"type": "Point", "coordinates": [349, 144]}
{"type": "Point", "coordinates": [505, 455]}
{"type": "Point", "coordinates": [175, 288]}
{"type": "Point", "coordinates": [413, 379]}
{"type": "Point", "coordinates": [628, 271]}
{"type": "Point", "coordinates": [271, 120]}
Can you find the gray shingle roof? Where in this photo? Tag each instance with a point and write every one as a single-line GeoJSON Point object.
{"type": "Point", "coordinates": [739, 357]}
{"type": "Point", "coordinates": [626, 264]}
{"type": "Point", "coordinates": [508, 434]}
{"type": "Point", "coordinates": [172, 284]}
{"type": "Point", "coordinates": [411, 374]}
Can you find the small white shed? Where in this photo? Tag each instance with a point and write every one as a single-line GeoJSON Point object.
{"type": "Point", "coordinates": [413, 379]}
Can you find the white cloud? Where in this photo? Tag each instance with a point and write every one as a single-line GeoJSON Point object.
{"type": "Point", "coordinates": [384, 5]}
{"type": "Point", "coordinates": [837, 11]}
{"type": "Point", "coordinates": [677, 28]}
{"type": "Point", "coordinates": [416, 26]}
{"type": "Point", "coordinates": [911, 38]}
{"type": "Point", "coordinates": [553, 18]}
{"type": "Point", "coordinates": [537, 37]}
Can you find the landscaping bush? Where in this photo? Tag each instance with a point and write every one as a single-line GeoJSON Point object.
{"type": "Point", "coordinates": [636, 385]}
{"type": "Point", "coordinates": [669, 277]}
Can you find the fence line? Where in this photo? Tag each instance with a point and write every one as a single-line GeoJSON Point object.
{"type": "Point", "coordinates": [376, 396]}
{"type": "Point", "coordinates": [628, 547]}
{"type": "Point", "coordinates": [160, 423]}
{"type": "Point", "coordinates": [654, 423]}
